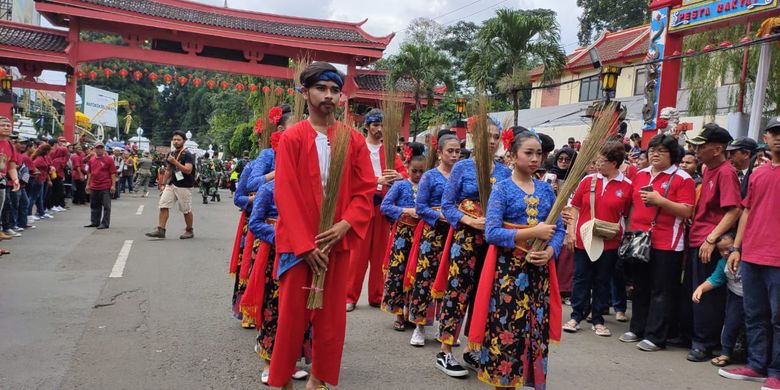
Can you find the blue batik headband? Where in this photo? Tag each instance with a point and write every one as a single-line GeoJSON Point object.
{"type": "Point", "coordinates": [329, 75]}
{"type": "Point", "coordinates": [496, 123]}
{"type": "Point", "coordinates": [374, 118]}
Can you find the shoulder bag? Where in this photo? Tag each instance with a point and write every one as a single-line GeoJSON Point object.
{"type": "Point", "coordinates": [603, 229]}
{"type": "Point", "coordinates": [635, 246]}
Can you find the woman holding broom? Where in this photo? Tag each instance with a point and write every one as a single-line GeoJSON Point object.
{"type": "Point", "coordinates": [461, 206]}
{"type": "Point", "coordinates": [303, 192]}
{"type": "Point", "coordinates": [511, 323]}
{"type": "Point", "coordinates": [434, 234]}
{"type": "Point", "coordinates": [398, 206]}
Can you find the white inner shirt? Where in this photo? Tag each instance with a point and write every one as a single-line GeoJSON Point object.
{"type": "Point", "coordinates": [323, 154]}
{"type": "Point", "coordinates": [375, 162]}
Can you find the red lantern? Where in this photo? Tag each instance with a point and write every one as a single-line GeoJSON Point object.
{"type": "Point", "coordinates": [224, 85]}
{"type": "Point", "coordinates": [210, 84]}
{"type": "Point", "coordinates": [92, 75]}
{"type": "Point", "coordinates": [80, 74]}
{"type": "Point", "coordinates": [690, 52]}
{"type": "Point", "coordinates": [137, 75]}
{"type": "Point", "coordinates": [708, 48]}
{"type": "Point", "coordinates": [3, 72]}
{"type": "Point", "coordinates": [266, 90]}
{"type": "Point", "coordinates": [278, 91]}
{"type": "Point", "coordinates": [107, 72]}
{"type": "Point", "coordinates": [240, 87]}
{"type": "Point", "coordinates": [290, 91]}
{"type": "Point", "coordinates": [167, 78]}
{"type": "Point", "coordinates": [252, 88]}
{"type": "Point", "coordinates": [123, 73]}
{"type": "Point", "coordinates": [153, 77]}
{"type": "Point", "coordinates": [725, 44]}
{"type": "Point", "coordinates": [745, 40]}
{"type": "Point", "coordinates": [182, 80]}
{"type": "Point", "coordinates": [197, 82]}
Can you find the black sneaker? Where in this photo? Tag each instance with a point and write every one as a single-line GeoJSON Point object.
{"type": "Point", "coordinates": [471, 359]}
{"type": "Point", "coordinates": [699, 355]}
{"type": "Point", "coordinates": [447, 363]}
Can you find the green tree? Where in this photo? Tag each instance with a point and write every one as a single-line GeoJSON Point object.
{"type": "Point", "coordinates": [425, 68]}
{"type": "Point", "coordinates": [600, 15]}
{"type": "Point", "coordinates": [513, 42]}
{"type": "Point", "coordinates": [457, 41]}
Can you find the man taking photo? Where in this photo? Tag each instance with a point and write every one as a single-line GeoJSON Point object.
{"type": "Point", "coordinates": [178, 180]}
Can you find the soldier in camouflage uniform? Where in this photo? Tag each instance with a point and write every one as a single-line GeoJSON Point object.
{"type": "Point", "coordinates": [208, 180]}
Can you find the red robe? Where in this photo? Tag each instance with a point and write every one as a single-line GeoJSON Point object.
{"type": "Point", "coordinates": [371, 251]}
{"type": "Point", "coordinates": [298, 195]}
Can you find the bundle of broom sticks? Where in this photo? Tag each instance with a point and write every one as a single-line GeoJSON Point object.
{"type": "Point", "coordinates": [603, 125]}
{"type": "Point", "coordinates": [338, 156]}
{"type": "Point", "coordinates": [393, 116]}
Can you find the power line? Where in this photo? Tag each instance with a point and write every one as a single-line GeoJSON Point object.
{"type": "Point", "coordinates": [472, 14]}
{"type": "Point", "coordinates": [457, 9]}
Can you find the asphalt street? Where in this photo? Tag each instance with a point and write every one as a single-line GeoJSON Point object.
{"type": "Point", "coordinates": [166, 323]}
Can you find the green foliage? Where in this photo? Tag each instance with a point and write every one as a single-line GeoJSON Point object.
{"type": "Point", "coordinates": [512, 43]}
{"type": "Point", "coordinates": [457, 41]}
{"type": "Point", "coordinates": [600, 15]}
{"type": "Point", "coordinates": [704, 73]}
{"type": "Point", "coordinates": [241, 140]}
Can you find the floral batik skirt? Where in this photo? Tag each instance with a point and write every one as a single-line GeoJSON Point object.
{"type": "Point", "coordinates": [431, 247]}
{"type": "Point", "coordinates": [467, 255]}
{"type": "Point", "coordinates": [266, 331]}
{"type": "Point", "coordinates": [394, 298]}
{"type": "Point", "coordinates": [517, 332]}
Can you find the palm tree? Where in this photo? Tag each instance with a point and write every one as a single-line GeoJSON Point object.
{"type": "Point", "coordinates": [423, 66]}
{"type": "Point", "coordinates": [513, 42]}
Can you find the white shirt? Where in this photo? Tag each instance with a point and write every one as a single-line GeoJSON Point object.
{"type": "Point", "coordinates": [375, 162]}
{"type": "Point", "coordinates": [323, 154]}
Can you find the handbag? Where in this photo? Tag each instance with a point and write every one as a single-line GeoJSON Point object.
{"type": "Point", "coordinates": [603, 229]}
{"type": "Point", "coordinates": [635, 246]}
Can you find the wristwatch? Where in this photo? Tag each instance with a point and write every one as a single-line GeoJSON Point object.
{"type": "Point", "coordinates": [734, 249]}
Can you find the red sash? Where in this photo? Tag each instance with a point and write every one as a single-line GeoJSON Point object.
{"type": "Point", "coordinates": [252, 301]}
{"type": "Point", "coordinates": [411, 262]}
{"type": "Point", "coordinates": [237, 244]}
{"type": "Point", "coordinates": [246, 255]}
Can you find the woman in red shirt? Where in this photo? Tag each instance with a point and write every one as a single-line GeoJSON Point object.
{"type": "Point", "coordinates": [663, 198]}
{"type": "Point", "coordinates": [611, 192]}
{"type": "Point", "coordinates": [39, 174]}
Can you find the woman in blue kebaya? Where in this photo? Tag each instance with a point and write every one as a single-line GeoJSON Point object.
{"type": "Point", "coordinates": [398, 206]}
{"type": "Point", "coordinates": [434, 233]}
{"type": "Point", "coordinates": [461, 207]}
{"type": "Point", "coordinates": [511, 324]}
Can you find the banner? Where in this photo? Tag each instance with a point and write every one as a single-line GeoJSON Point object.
{"type": "Point", "coordinates": [100, 106]}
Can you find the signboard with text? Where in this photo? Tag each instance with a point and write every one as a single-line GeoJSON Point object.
{"type": "Point", "coordinates": [100, 106]}
{"type": "Point", "coordinates": [700, 13]}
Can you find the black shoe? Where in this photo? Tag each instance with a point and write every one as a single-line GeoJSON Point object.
{"type": "Point", "coordinates": [90, 225]}
{"type": "Point", "coordinates": [447, 363]}
{"type": "Point", "coordinates": [699, 355]}
{"type": "Point", "coordinates": [156, 233]}
{"type": "Point", "coordinates": [102, 227]}
{"type": "Point", "coordinates": [471, 359]}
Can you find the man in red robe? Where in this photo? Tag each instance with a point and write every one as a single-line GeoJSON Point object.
{"type": "Point", "coordinates": [302, 163]}
{"type": "Point", "coordinates": [370, 253]}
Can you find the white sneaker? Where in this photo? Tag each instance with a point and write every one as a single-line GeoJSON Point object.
{"type": "Point", "coordinates": [418, 337]}
{"type": "Point", "coordinates": [33, 218]}
{"type": "Point", "coordinates": [264, 376]}
{"type": "Point", "coordinates": [18, 229]}
{"type": "Point", "coordinates": [12, 233]}
{"type": "Point", "coordinates": [48, 216]}
{"type": "Point", "coordinates": [300, 374]}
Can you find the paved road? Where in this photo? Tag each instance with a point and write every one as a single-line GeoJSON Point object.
{"type": "Point", "coordinates": [166, 324]}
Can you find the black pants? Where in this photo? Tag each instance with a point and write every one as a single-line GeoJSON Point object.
{"type": "Point", "coordinates": [707, 314]}
{"type": "Point", "coordinates": [79, 191]}
{"type": "Point", "coordinates": [56, 196]}
{"type": "Point", "coordinates": [655, 286]}
{"type": "Point", "coordinates": [100, 201]}
{"type": "Point", "coordinates": [595, 276]}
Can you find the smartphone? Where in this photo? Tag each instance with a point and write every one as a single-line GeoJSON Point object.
{"type": "Point", "coordinates": [550, 178]}
{"type": "Point", "coordinates": [647, 188]}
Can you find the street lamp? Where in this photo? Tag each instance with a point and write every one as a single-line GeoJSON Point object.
{"type": "Point", "coordinates": [460, 107]}
{"type": "Point", "coordinates": [609, 76]}
{"type": "Point", "coordinates": [6, 82]}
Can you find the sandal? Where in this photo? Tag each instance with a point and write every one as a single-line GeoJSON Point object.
{"type": "Point", "coordinates": [4, 252]}
{"type": "Point", "coordinates": [571, 326]}
{"type": "Point", "coordinates": [721, 361]}
{"type": "Point", "coordinates": [601, 330]}
{"type": "Point", "coordinates": [399, 326]}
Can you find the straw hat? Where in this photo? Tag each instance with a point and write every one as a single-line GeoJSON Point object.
{"type": "Point", "coordinates": [594, 245]}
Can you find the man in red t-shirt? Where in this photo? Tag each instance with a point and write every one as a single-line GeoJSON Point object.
{"type": "Point", "coordinates": [756, 247]}
{"type": "Point", "coordinates": [78, 175]}
{"type": "Point", "coordinates": [101, 183]}
{"type": "Point", "coordinates": [8, 175]}
{"type": "Point", "coordinates": [716, 212]}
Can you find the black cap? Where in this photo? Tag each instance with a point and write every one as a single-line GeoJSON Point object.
{"type": "Point", "coordinates": [773, 125]}
{"type": "Point", "coordinates": [712, 133]}
{"type": "Point", "coordinates": [743, 143]}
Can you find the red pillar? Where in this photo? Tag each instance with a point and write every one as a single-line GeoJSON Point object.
{"type": "Point", "coordinates": [669, 73]}
{"type": "Point", "coordinates": [69, 130]}
{"type": "Point", "coordinates": [407, 121]}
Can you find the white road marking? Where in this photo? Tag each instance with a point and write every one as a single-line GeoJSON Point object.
{"type": "Point", "coordinates": [140, 210]}
{"type": "Point", "coordinates": [121, 260]}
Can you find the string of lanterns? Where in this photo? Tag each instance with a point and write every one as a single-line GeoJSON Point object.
{"type": "Point", "coordinates": [155, 76]}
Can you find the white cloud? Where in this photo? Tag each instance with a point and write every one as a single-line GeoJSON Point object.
{"type": "Point", "coordinates": [385, 17]}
